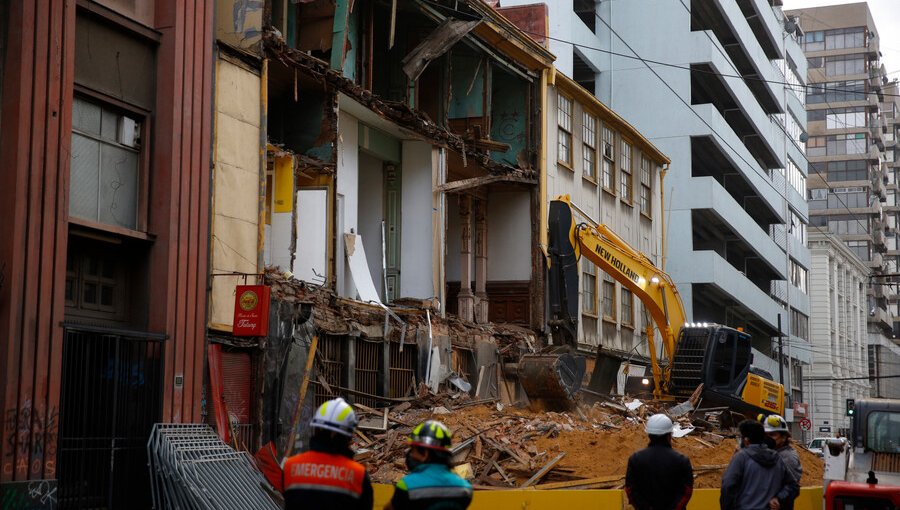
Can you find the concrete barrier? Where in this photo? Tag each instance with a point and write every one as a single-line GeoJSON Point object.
{"type": "Point", "coordinates": [704, 499]}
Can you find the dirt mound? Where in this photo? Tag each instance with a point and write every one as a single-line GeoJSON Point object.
{"type": "Point", "coordinates": [508, 447]}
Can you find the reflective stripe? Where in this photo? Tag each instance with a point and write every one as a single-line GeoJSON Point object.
{"type": "Point", "coordinates": [324, 488]}
{"type": "Point", "coordinates": [440, 492]}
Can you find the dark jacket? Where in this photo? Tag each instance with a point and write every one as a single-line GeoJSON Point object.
{"type": "Point", "coordinates": [326, 478]}
{"type": "Point", "coordinates": [755, 475]}
{"type": "Point", "coordinates": [790, 458]}
{"type": "Point", "coordinates": [659, 478]}
{"type": "Point", "coordinates": [431, 486]}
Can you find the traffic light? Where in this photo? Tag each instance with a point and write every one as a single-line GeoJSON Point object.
{"type": "Point", "coordinates": [851, 406]}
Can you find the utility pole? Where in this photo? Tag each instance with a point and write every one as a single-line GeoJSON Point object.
{"type": "Point", "coordinates": [780, 353]}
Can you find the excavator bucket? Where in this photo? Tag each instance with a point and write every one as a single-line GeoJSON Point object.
{"type": "Point", "coordinates": [551, 379]}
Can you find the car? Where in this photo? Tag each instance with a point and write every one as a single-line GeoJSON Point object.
{"type": "Point", "coordinates": [816, 445]}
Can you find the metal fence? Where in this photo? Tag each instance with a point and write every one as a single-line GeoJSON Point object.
{"type": "Point", "coordinates": [110, 398]}
{"type": "Point", "coordinates": [192, 468]}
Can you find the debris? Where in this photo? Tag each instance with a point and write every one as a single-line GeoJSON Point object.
{"type": "Point", "coordinates": [441, 410]}
{"type": "Point", "coordinates": [544, 470]}
{"type": "Point", "coordinates": [680, 431]}
{"type": "Point", "coordinates": [634, 405]}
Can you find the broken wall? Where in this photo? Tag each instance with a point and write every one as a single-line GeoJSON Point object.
{"type": "Point", "coordinates": [347, 197]}
{"type": "Point", "coordinates": [417, 242]}
{"type": "Point", "coordinates": [236, 173]}
{"type": "Point", "coordinates": [509, 236]}
{"type": "Point", "coordinates": [239, 22]}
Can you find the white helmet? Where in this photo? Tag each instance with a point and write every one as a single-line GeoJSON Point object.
{"type": "Point", "coordinates": [337, 416]}
{"type": "Point", "coordinates": [775, 423]}
{"type": "Point", "coordinates": [659, 425]}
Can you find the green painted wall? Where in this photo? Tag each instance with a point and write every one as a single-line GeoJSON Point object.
{"type": "Point", "coordinates": [509, 115]}
{"type": "Point", "coordinates": [466, 86]}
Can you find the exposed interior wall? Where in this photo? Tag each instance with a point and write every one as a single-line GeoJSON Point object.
{"type": "Point", "coordinates": [279, 217]}
{"type": "Point", "coordinates": [238, 22]}
{"type": "Point", "coordinates": [417, 241]}
{"type": "Point", "coordinates": [371, 214]}
{"type": "Point", "coordinates": [347, 204]}
{"type": "Point", "coordinates": [509, 236]}
{"type": "Point", "coordinates": [310, 262]}
{"type": "Point", "coordinates": [236, 170]}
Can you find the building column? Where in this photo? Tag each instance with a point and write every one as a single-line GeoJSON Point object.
{"type": "Point", "coordinates": [466, 299]}
{"type": "Point", "coordinates": [481, 298]}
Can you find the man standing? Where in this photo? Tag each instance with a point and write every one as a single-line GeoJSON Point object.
{"type": "Point", "coordinates": [658, 477]}
{"type": "Point", "coordinates": [777, 429]}
{"type": "Point", "coordinates": [326, 477]}
{"type": "Point", "coordinates": [756, 478]}
{"type": "Point", "coordinates": [430, 485]}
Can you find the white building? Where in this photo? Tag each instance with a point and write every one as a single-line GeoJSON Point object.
{"type": "Point", "coordinates": [714, 93]}
{"type": "Point", "coordinates": [837, 334]}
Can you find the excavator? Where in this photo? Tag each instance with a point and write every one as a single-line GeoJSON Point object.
{"type": "Point", "coordinates": [713, 357]}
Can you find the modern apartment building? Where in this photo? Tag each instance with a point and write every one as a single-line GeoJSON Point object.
{"type": "Point", "coordinates": [852, 184]}
{"type": "Point", "coordinates": [714, 84]}
{"type": "Point", "coordinates": [838, 333]}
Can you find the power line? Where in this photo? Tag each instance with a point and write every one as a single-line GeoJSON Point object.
{"type": "Point", "coordinates": [866, 378]}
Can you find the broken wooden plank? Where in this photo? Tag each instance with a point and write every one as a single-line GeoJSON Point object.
{"type": "Point", "coordinates": [295, 421]}
{"type": "Point", "coordinates": [704, 443]}
{"type": "Point", "coordinates": [578, 483]}
{"type": "Point", "coordinates": [474, 182]}
{"type": "Point", "coordinates": [544, 470]}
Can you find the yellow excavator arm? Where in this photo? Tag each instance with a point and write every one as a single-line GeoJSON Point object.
{"type": "Point", "coordinates": [650, 284]}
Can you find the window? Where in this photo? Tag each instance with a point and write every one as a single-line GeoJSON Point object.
{"type": "Point", "coordinates": [609, 298]}
{"type": "Point", "coordinates": [798, 276]}
{"type": "Point", "coordinates": [609, 160]}
{"type": "Point", "coordinates": [646, 197]}
{"type": "Point", "coordinates": [814, 41]}
{"type": "Point", "coordinates": [796, 178]}
{"type": "Point", "coordinates": [853, 143]}
{"type": "Point", "coordinates": [627, 307]}
{"type": "Point", "coordinates": [836, 91]}
{"type": "Point", "coordinates": [105, 183]}
{"type": "Point", "coordinates": [627, 185]}
{"type": "Point", "coordinates": [856, 170]}
{"type": "Point", "coordinates": [797, 227]}
{"type": "Point", "coordinates": [96, 281]}
{"type": "Point", "coordinates": [815, 115]}
{"type": "Point", "coordinates": [840, 118]}
{"type": "Point", "coordinates": [564, 119]}
{"type": "Point", "coordinates": [588, 287]}
{"type": "Point", "coordinates": [841, 38]}
{"type": "Point", "coordinates": [589, 145]}
{"type": "Point", "coordinates": [861, 249]}
{"type": "Point", "coordinates": [793, 129]}
{"type": "Point", "coordinates": [883, 432]}
{"type": "Point", "coordinates": [815, 146]}
{"type": "Point", "coordinates": [799, 325]}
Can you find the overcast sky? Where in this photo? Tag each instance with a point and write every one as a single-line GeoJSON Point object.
{"type": "Point", "coordinates": [886, 14]}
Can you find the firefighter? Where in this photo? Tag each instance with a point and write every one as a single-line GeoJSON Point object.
{"type": "Point", "coordinates": [327, 477]}
{"type": "Point", "coordinates": [430, 485]}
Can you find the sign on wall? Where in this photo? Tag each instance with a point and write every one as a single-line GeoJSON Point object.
{"type": "Point", "coordinates": [251, 310]}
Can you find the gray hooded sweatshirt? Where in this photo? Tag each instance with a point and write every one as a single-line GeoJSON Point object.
{"type": "Point", "coordinates": [755, 475]}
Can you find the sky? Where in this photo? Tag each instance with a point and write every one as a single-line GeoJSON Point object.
{"type": "Point", "coordinates": [886, 14]}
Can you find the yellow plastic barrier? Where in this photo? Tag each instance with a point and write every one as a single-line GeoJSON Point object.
{"type": "Point", "coordinates": [703, 499]}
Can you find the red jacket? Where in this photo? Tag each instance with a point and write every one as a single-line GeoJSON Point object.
{"type": "Point", "coordinates": [325, 480]}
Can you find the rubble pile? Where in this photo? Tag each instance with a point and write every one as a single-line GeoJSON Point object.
{"type": "Point", "coordinates": [497, 446]}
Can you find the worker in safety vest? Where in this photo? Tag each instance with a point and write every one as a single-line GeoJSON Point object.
{"type": "Point", "coordinates": [327, 477]}
{"type": "Point", "coordinates": [430, 485]}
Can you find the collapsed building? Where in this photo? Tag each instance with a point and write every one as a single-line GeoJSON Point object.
{"type": "Point", "coordinates": [388, 156]}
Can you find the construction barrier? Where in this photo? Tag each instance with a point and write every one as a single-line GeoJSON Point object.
{"type": "Point", "coordinates": [704, 499]}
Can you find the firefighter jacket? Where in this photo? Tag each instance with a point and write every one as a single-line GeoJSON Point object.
{"type": "Point", "coordinates": [324, 480]}
{"type": "Point", "coordinates": [431, 486]}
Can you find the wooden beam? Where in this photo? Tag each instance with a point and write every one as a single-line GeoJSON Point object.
{"type": "Point", "coordinates": [474, 182]}
{"type": "Point", "coordinates": [544, 470]}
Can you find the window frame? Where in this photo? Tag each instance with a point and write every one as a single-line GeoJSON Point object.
{"type": "Point", "coordinates": [646, 172]}
{"type": "Point", "coordinates": [608, 282]}
{"type": "Point", "coordinates": [608, 159]}
{"type": "Point", "coordinates": [626, 171]}
{"type": "Point", "coordinates": [560, 129]}
{"type": "Point", "coordinates": [588, 269]}
{"type": "Point", "coordinates": [145, 119]}
{"type": "Point", "coordinates": [589, 147]}
{"type": "Point", "coordinates": [627, 300]}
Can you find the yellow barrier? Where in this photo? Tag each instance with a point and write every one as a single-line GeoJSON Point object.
{"type": "Point", "coordinates": [703, 499]}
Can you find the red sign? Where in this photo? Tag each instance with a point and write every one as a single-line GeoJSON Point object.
{"type": "Point", "coordinates": [805, 424]}
{"type": "Point", "coordinates": [251, 310]}
{"type": "Point", "coordinates": [801, 409]}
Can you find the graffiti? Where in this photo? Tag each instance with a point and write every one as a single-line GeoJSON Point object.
{"type": "Point", "coordinates": [29, 432]}
{"type": "Point", "coordinates": [28, 495]}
